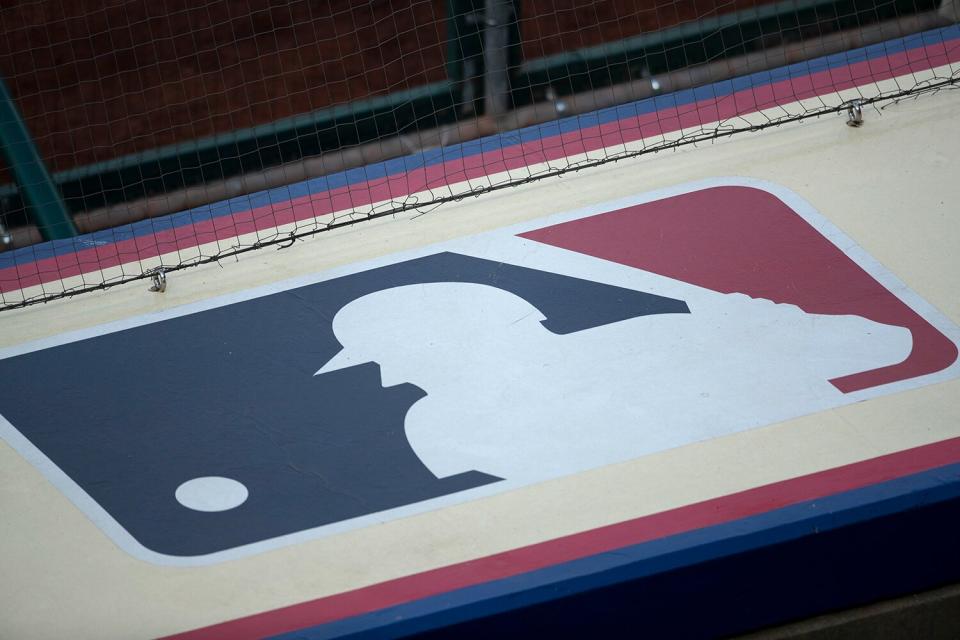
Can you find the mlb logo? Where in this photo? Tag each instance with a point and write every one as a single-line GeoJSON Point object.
{"type": "Point", "coordinates": [465, 369]}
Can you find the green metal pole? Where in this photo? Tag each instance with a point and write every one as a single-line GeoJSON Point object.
{"type": "Point", "coordinates": [457, 10]}
{"type": "Point", "coordinates": [36, 187]}
{"type": "Point", "coordinates": [454, 52]}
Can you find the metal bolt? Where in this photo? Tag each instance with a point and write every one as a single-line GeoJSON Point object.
{"type": "Point", "coordinates": [854, 114]}
{"type": "Point", "coordinates": [159, 279]}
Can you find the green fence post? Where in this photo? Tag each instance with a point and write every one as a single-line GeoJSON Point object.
{"type": "Point", "coordinates": [38, 190]}
{"type": "Point", "coordinates": [454, 55]}
{"type": "Point", "coordinates": [462, 49]}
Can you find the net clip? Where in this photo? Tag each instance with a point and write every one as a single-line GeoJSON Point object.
{"type": "Point", "coordinates": [158, 276]}
{"type": "Point", "coordinates": [854, 113]}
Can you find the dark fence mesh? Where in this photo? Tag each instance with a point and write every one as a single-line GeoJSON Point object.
{"type": "Point", "coordinates": [181, 132]}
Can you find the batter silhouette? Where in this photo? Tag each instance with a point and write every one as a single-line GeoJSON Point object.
{"type": "Point", "coordinates": [507, 397]}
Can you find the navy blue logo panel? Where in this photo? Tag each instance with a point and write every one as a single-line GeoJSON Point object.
{"type": "Point", "coordinates": [141, 418]}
